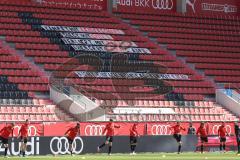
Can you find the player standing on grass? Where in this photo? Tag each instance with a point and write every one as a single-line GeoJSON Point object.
{"type": "Point", "coordinates": [70, 134]}
{"type": "Point", "coordinates": [222, 133]}
{"type": "Point", "coordinates": [23, 135]}
{"type": "Point", "coordinates": [202, 131]}
{"type": "Point", "coordinates": [177, 129]}
{"type": "Point", "coordinates": [109, 130]}
{"type": "Point", "coordinates": [237, 134]}
{"type": "Point", "coordinates": [133, 138]}
{"type": "Point", "coordinates": [5, 133]}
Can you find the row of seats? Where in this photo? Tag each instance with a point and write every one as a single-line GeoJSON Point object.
{"type": "Point", "coordinates": [182, 18]}
{"type": "Point", "coordinates": [174, 118]}
{"type": "Point", "coordinates": [27, 109]}
{"type": "Point", "coordinates": [199, 37]}
{"type": "Point", "coordinates": [183, 24]}
{"type": "Point", "coordinates": [198, 42]}
{"type": "Point", "coordinates": [155, 103]}
{"type": "Point", "coordinates": [202, 48]}
{"type": "Point", "coordinates": [31, 117]}
{"type": "Point", "coordinates": [207, 54]}
{"type": "Point", "coordinates": [50, 10]}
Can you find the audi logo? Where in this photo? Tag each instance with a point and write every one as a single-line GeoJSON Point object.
{"type": "Point", "coordinates": [60, 145]}
{"type": "Point", "coordinates": [32, 130]}
{"type": "Point", "coordinates": [216, 127]}
{"type": "Point", "coordinates": [161, 130]}
{"type": "Point", "coordinates": [162, 4]}
{"type": "Point", "coordinates": [94, 130]}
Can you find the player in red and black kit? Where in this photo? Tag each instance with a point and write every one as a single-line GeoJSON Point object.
{"type": "Point", "coordinates": [222, 133]}
{"type": "Point", "coordinates": [23, 135]}
{"type": "Point", "coordinates": [71, 133]}
{"type": "Point", "coordinates": [5, 134]}
{"type": "Point", "coordinates": [202, 131]}
{"type": "Point", "coordinates": [177, 135]}
{"type": "Point", "coordinates": [133, 138]}
{"type": "Point", "coordinates": [109, 130]}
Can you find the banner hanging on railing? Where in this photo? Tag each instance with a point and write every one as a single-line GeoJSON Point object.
{"type": "Point", "coordinates": [78, 4]}
{"type": "Point", "coordinates": [85, 35]}
{"type": "Point", "coordinates": [81, 29]}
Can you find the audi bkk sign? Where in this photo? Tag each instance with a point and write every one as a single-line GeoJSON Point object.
{"type": "Point", "coordinates": [88, 144]}
{"type": "Point", "coordinates": [149, 5]}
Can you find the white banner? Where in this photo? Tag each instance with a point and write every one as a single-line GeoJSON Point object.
{"type": "Point", "coordinates": [110, 49]}
{"type": "Point", "coordinates": [131, 75]}
{"type": "Point", "coordinates": [81, 29]}
{"type": "Point", "coordinates": [136, 110]}
{"type": "Point", "coordinates": [85, 35]}
{"type": "Point", "coordinates": [98, 42]}
{"type": "Point", "coordinates": [219, 7]}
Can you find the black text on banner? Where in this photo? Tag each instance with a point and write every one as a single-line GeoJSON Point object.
{"type": "Point", "coordinates": [85, 35]}
{"type": "Point", "coordinates": [98, 42]}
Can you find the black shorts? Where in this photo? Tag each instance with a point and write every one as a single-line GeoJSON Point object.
{"type": "Point", "coordinates": [204, 139]}
{"type": "Point", "coordinates": [223, 139]}
{"type": "Point", "coordinates": [178, 137]}
{"type": "Point", "coordinates": [133, 140]}
{"type": "Point", "coordinates": [4, 140]}
{"type": "Point", "coordinates": [109, 138]}
{"type": "Point", "coordinates": [70, 141]}
{"type": "Point", "coordinates": [24, 139]}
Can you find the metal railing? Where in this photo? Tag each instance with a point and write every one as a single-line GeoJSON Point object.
{"type": "Point", "coordinates": [231, 90]}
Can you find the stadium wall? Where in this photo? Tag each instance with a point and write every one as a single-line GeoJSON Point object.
{"type": "Point", "coordinates": [83, 145]}
{"type": "Point", "coordinates": [96, 128]}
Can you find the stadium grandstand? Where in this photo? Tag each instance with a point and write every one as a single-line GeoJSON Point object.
{"type": "Point", "coordinates": [151, 62]}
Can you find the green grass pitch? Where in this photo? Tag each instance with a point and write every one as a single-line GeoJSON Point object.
{"type": "Point", "coordinates": [147, 156]}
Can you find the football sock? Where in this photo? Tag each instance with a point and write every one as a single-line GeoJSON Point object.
{"type": "Point", "coordinates": [6, 149]}
{"type": "Point", "coordinates": [224, 147]}
{"type": "Point", "coordinates": [238, 147]}
{"type": "Point", "coordinates": [109, 149]}
{"type": "Point", "coordinates": [134, 148]}
{"type": "Point", "coordinates": [179, 148]}
{"type": "Point", "coordinates": [220, 147]}
{"type": "Point", "coordinates": [131, 148]}
{"type": "Point", "coordinates": [202, 148]}
{"type": "Point", "coordinates": [23, 153]}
